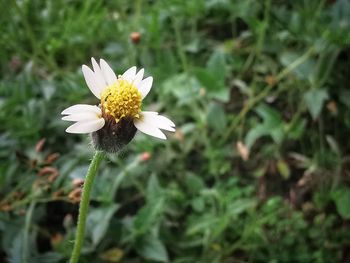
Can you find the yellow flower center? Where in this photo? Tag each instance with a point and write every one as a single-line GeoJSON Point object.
{"type": "Point", "coordinates": [121, 99]}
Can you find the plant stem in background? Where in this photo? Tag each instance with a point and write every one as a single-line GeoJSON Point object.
{"type": "Point", "coordinates": [84, 205]}
{"type": "Point", "coordinates": [179, 45]}
{"type": "Point", "coordinates": [26, 235]}
{"type": "Point", "coordinates": [261, 36]}
{"type": "Point", "coordinates": [253, 101]}
{"type": "Point", "coordinates": [28, 29]}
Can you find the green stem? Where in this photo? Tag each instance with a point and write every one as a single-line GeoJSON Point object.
{"type": "Point", "coordinates": [28, 29]}
{"type": "Point", "coordinates": [26, 235]}
{"type": "Point", "coordinates": [84, 205]}
{"type": "Point", "coordinates": [261, 37]}
{"type": "Point", "coordinates": [179, 45]}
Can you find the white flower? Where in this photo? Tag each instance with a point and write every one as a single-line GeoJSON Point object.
{"type": "Point", "coordinates": [120, 99]}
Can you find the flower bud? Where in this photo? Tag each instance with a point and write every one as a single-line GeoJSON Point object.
{"type": "Point", "coordinates": [145, 156]}
{"type": "Point", "coordinates": [135, 37]}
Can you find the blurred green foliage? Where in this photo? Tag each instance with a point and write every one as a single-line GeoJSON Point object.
{"type": "Point", "coordinates": [258, 170]}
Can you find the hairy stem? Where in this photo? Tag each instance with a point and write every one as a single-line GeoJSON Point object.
{"type": "Point", "coordinates": [84, 205]}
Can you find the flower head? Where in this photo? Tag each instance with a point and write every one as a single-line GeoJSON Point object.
{"type": "Point", "coordinates": [114, 122]}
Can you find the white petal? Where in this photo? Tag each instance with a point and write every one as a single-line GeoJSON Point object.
{"type": "Point", "coordinates": [167, 121]}
{"type": "Point", "coordinates": [86, 126]}
{"type": "Point", "coordinates": [129, 75]}
{"type": "Point", "coordinates": [83, 116]}
{"type": "Point", "coordinates": [151, 112]}
{"type": "Point", "coordinates": [159, 118]}
{"type": "Point", "coordinates": [145, 86]}
{"type": "Point", "coordinates": [80, 108]}
{"type": "Point", "coordinates": [138, 77]}
{"type": "Point", "coordinates": [98, 74]}
{"type": "Point", "coordinates": [158, 121]}
{"type": "Point", "coordinates": [91, 81]}
{"type": "Point", "coordinates": [144, 127]}
{"type": "Point", "coordinates": [108, 72]}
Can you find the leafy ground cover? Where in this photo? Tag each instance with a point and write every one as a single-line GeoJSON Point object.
{"type": "Point", "coordinates": [258, 170]}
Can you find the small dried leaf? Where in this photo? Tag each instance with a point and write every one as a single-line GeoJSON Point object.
{"type": "Point", "coordinates": [57, 194]}
{"type": "Point", "coordinates": [75, 195]}
{"type": "Point", "coordinates": [242, 150]}
{"type": "Point", "coordinates": [179, 135]}
{"type": "Point", "coordinates": [51, 158]}
{"type": "Point", "coordinates": [6, 207]}
{"type": "Point", "coordinates": [18, 195]}
{"type": "Point", "coordinates": [332, 107]}
{"type": "Point", "coordinates": [48, 170]}
{"type": "Point", "coordinates": [78, 182]}
{"type": "Point", "coordinates": [40, 145]}
{"type": "Point", "coordinates": [304, 180]}
{"type": "Point", "coordinates": [270, 80]}
{"type": "Point", "coordinates": [56, 239]}
{"type": "Point", "coordinates": [52, 177]}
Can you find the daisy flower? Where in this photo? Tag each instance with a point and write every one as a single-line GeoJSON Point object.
{"type": "Point", "coordinates": [114, 122]}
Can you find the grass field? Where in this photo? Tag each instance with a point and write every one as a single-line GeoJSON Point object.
{"type": "Point", "coordinates": [258, 169]}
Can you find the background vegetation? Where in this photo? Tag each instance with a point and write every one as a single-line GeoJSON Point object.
{"type": "Point", "coordinates": [258, 170]}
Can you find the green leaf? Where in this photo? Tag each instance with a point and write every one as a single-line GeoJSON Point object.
{"type": "Point", "coordinates": [194, 184]}
{"type": "Point", "coordinates": [216, 65]}
{"type": "Point", "coordinates": [98, 222]}
{"type": "Point", "coordinates": [270, 116]}
{"type": "Point", "coordinates": [254, 134]}
{"type": "Point", "coordinates": [240, 206]}
{"type": "Point", "coordinates": [147, 216]}
{"type": "Point", "coordinates": [15, 254]}
{"type": "Point", "coordinates": [303, 71]}
{"type": "Point", "coordinates": [296, 129]}
{"type": "Point", "coordinates": [198, 204]}
{"type": "Point", "coordinates": [212, 78]}
{"type": "Point", "coordinates": [314, 100]}
{"type": "Point", "coordinates": [184, 87]}
{"type": "Point", "coordinates": [205, 223]}
{"type": "Point", "coordinates": [332, 142]}
{"type": "Point", "coordinates": [215, 88]}
{"type": "Point", "coordinates": [221, 94]}
{"type": "Point", "coordinates": [216, 117]}
{"type": "Point", "coordinates": [341, 197]}
{"type": "Point", "coordinates": [151, 248]}
{"type": "Point", "coordinates": [209, 80]}
{"type": "Point", "coordinates": [153, 188]}
{"type": "Point", "coordinates": [272, 125]}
